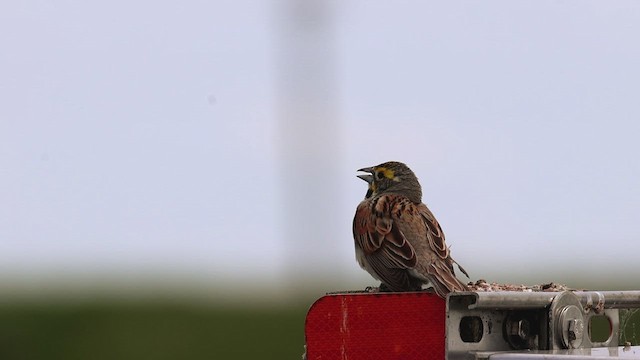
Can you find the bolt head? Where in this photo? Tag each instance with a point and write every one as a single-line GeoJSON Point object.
{"type": "Point", "coordinates": [520, 328]}
{"type": "Point", "coordinates": [576, 329]}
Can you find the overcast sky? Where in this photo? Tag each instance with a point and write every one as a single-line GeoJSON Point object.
{"type": "Point", "coordinates": [221, 138]}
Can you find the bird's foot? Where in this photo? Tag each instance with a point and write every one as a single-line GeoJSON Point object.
{"type": "Point", "coordinates": [375, 289]}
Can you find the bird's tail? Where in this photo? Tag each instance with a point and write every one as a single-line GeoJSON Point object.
{"type": "Point", "coordinates": [444, 280]}
{"type": "Point", "coordinates": [461, 269]}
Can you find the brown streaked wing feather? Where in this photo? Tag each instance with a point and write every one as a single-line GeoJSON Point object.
{"type": "Point", "coordinates": [363, 234]}
{"type": "Point", "coordinates": [434, 233]}
{"type": "Point", "coordinates": [385, 247]}
{"type": "Point", "coordinates": [441, 272]}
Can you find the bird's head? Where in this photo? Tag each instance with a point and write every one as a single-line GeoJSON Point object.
{"type": "Point", "coordinates": [393, 177]}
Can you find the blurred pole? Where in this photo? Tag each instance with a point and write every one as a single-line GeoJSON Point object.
{"type": "Point", "coordinates": [310, 141]}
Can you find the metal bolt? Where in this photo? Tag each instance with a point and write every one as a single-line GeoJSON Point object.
{"type": "Point", "coordinates": [570, 326]}
{"type": "Point", "coordinates": [523, 329]}
{"type": "Point", "coordinates": [575, 332]}
{"type": "Point", "coordinates": [520, 329]}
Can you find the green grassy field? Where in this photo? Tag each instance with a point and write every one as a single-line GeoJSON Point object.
{"type": "Point", "coordinates": [148, 330]}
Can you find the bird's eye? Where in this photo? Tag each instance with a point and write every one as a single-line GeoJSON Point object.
{"type": "Point", "coordinates": [379, 175]}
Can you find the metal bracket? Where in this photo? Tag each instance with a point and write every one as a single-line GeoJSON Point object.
{"type": "Point", "coordinates": [481, 323]}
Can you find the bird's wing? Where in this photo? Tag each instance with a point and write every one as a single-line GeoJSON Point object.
{"type": "Point", "coordinates": [435, 236]}
{"type": "Point", "coordinates": [385, 248]}
{"type": "Point", "coordinates": [440, 270]}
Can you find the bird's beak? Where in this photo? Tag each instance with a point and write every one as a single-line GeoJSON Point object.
{"type": "Point", "coordinates": [367, 177]}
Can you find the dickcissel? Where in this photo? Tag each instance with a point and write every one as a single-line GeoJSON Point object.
{"type": "Point", "coordinates": [398, 240]}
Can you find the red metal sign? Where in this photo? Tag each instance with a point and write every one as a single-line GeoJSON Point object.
{"type": "Point", "coordinates": [376, 326]}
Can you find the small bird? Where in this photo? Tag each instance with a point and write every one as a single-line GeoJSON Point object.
{"type": "Point", "coordinates": [398, 240]}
